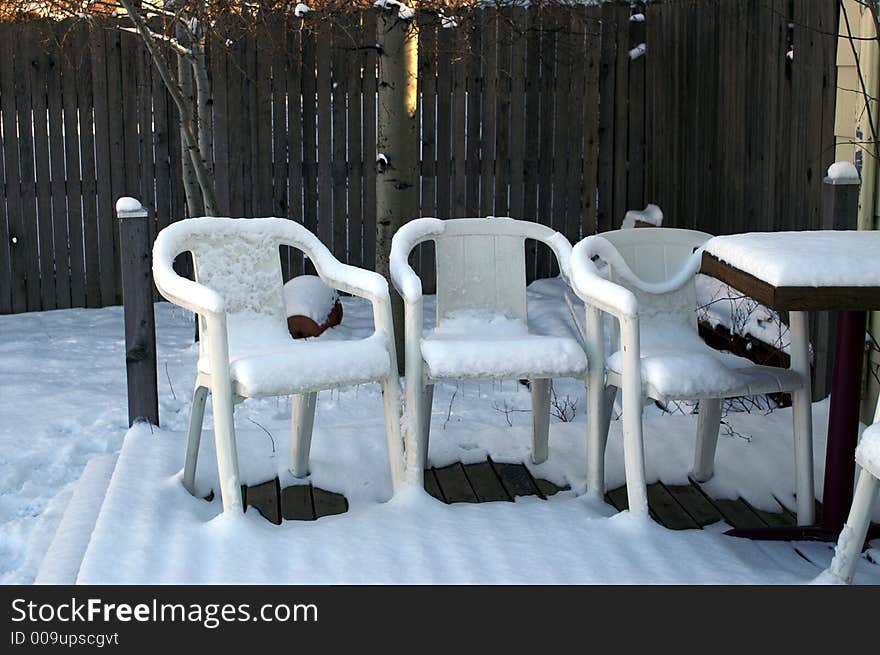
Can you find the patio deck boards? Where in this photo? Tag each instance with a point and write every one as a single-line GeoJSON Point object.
{"type": "Point", "coordinates": [677, 507]}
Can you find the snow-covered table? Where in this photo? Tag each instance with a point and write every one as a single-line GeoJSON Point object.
{"type": "Point", "coordinates": [810, 271]}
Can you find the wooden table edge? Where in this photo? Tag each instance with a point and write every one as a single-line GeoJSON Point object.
{"type": "Point", "coordinates": [791, 298]}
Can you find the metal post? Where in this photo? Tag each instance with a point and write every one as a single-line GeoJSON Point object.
{"type": "Point", "coordinates": [137, 299]}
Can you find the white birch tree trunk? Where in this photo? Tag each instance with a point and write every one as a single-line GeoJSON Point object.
{"type": "Point", "coordinates": [397, 171]}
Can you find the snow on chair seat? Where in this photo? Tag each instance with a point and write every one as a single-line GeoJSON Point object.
{"type": "Point", "coordinates": [679, 364]}
{"type": "Point", "coordinates": [300, 367]}
{"type": "Point", "coordinates": [474, 345]}
{"type": "Point", "coordinates": [245, 347]}
{"type": "Point", "coordinates": [482, 319]}
{"type": "Point", "coordinates": [658, 354]}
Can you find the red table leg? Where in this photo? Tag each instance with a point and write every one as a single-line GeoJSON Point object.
{"type": "Point", "coordinates": [843, 434]}
{"type": "Point", "coordinates": [843, 419]}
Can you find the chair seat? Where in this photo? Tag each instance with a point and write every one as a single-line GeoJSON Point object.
{"type": "Point", "coordinates": [676, 363]}
{"type": "Point", "coordinates": [868, 452]}
{"type": "Point", "coordinates": [491, 346]}
{"type": "Point", "coordinates": [264, 360]}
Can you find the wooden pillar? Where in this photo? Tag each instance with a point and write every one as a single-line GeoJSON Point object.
{"type": "Point", "coordinates": [140, 324]}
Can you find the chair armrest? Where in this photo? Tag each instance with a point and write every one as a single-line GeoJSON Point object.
{"type": "Point", "coordinates": [561, 247]}
{"type": "Point", "coordinates": [183, 292]}
{"type": "Point", "coordinates": [594, 289]}
{"type": "Point", "coordinates": [404, 278]}
{"type": "Point", "coordinates": [351, 279]}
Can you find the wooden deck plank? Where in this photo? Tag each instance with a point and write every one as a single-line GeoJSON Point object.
{"type": "Point", "coordinates": [695, 504]}
{"type": "Point", "coordinates": [617, 498]}
{"type": "Point", "coordinates": [432, 487]}
{"type": "Point", "coordinates": [547, 488]}
{"type": "Point", "coordinates": [485, 483]}
{"type": "Point", "coordinates": [264, 498]}
{"type": "Point", "coordinates": [667, 510]}
{"type": "Point", "coordinates": [516, 479]}
{"type": "Point", "coordinates": [773, 519]}
{"type": "Point", "coordinates": [454, 484]}
{"type": "Point", "coordinates": [737, 514]}
{"type": "Point", "coordinates": [328, 503]}
{"type": "Point", "coordinates": [296, 503]}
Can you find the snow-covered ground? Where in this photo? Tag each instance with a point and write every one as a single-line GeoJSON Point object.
{"type": "Point", "coordinates": [62, 382]}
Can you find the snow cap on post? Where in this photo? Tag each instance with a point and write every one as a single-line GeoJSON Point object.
{"type": "Point", "coordinates": [842, 172]}
{"type": "Point", "coordinates": [130, 208]}
{"type": "Point", "coordinates": [403, 12]}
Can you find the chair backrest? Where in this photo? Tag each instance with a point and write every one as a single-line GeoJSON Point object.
{"type": "Point", "coordinates": [481, 265]}
{"type": "Point", "coordinates": [244, 267]}
{"type": "Point", "coordinates": [655, 255]}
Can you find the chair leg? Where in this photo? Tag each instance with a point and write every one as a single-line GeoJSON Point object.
{"type": "Point", "coordinates": [633, 400]}
{"type": "Point", "coordinates": [427, 404]}
{"type": "Point", "coordinates": [802, 417]}
{"type": "Point", "coordinates": [194, 437]}
{"type": "Point", "coordinates": [227, 451]}
{"type": "Point", "coordinates": [302, 420]}
{"type": "Point", "coordinates": [391, 403]}
{"type": "Point", "coordinates": [600, 404]}
{"type": "Point", "coordinates": [707, 438]}
{"type": "Point", "coordinates": [852, 537]}
{"type": "Point", "coordinates": [540, 419]}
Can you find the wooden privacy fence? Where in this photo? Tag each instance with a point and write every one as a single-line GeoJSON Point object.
{"type": "Point", "coordinates": [551, 114]}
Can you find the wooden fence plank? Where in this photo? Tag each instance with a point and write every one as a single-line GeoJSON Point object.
{"type": "Point", "coordinates": [445, 47]}
{"type": "Point", "coordinates": [39, 65]}
{"type": "Point", "coordinates": [517, 115]}
{"type": "Point", "coordinates": [473, 91]}
{"type": "Point", "coordinates": [489, 25]}
{"type": "Point", "coordinates": [309, 135]}
{"type": "Point", "coordinates": [428, 28]}
{"type": "Point", "coordinates": [27, 247]}
{"type": "Point", "coordinates": [11, 287]}
{"type": "Point", "coordinates": [162, 154]}
{"type": "Point", "coordinates": [459, 71]}
{"type": "Point", "coordinates": [117, 114]}
{"type": "Point", "coordinates": [220, 86]}
{"type": "Point", "coordinates": [252, 86]}
{"type": "Point", "coordinates": [279, 128]}
{"type": "Point", "coordinates": [237, 96]}
{"type": "Point", "coordinates": [341, 42]}
{"type": "Point", "coordinates": [607, 76]}
{"type": "Point", "coordinates": [354, 117]}
{"type": "Point", "coordinates": [295, 133]}
{"type": "Point", "coordinates": [549, 29]}
{"type": "Point", "coordinates": [428, 108]}
{"type": "Point", "coordinates": [532, 133]}
{"type": "Point", "coordinates": [369, 99]}
{"type": "Point", "coordinates": [325, 138]}
{"type": "Point", "coordinates": [61, 244]}
{"type": "Point", "coordinates": [74, 63]}
{"type": "Point", "coordinates": [635, 183]}
{"type": "Point", "coordinates": [502, 120]}
{"type": "Point", "coordinates": [589, 162]}
{"type": "Point", "coordinates": [565, 131]}
{"type": "Point", "coordinates": [262, 175]}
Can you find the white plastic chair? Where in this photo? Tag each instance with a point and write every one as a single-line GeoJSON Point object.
{"type": "Point", "coordinates": [849, 544]}
{"type": "Point", "coordinates": [245, 349]}
{"type": "Point", "coordinates": [482, 331]}
{"type": "Point", "coordinates": [657, 353]}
